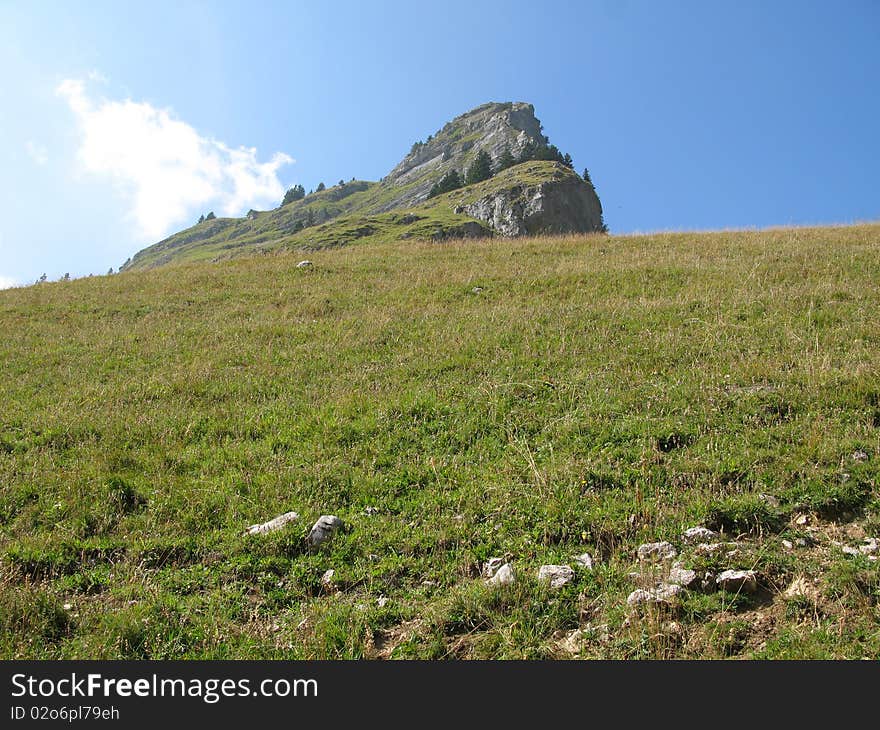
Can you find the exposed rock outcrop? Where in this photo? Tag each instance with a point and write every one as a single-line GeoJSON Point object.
{"type": "Point", "coordinates": [567, 205]}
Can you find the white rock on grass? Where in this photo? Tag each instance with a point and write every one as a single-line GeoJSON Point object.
{"type": "Point", "coordinates": [491, 567]}
{"type": "Point", "coordinates": [585, 560]}
{"type": "Point", "coordinates": [682, 577]}
{"type": "Point", "coordinates": [871, 546]}
{"type": "Point", "coordinates": [698, 534]}
{"type": "Point", "coordinates": [656, 551]}
{"type": "Point", "coordinates": [745, 581]}
{"type": "Point", "coordinates": [274, 524]}
{"type": "Point", "coordinates": [800, 588]}
{"type": "Point", "coordinates": [710, 548]}
{"type": "Point", "coordinates": [323, 530]}
{"type": "Point", "coordinates": [556, 575]}
{"type": "Point", "coordinates": [327, 578]}
{"type": "Point", "coordinates": [504, 576]}
{"type": "Point", "coordinates": [303, 264]}
{"type": "Point", "coordinates": [663, 593]}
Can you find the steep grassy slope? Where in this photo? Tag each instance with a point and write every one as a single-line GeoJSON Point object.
{"type": "Point", "coordinates": [530, 399]}
{"type": "Point", "coordinates": [352, 214]}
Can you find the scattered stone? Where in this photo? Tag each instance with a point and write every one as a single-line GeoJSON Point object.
{"type": "Point", "coordinates": [709, 548]}
{"type": "Point", "coordinates": [860, 455]}
{"type": "Point", "coordinates": [381, 601]}
{"type": "Point", "coordinates": [769, 500]}
{"type": "Point", "coordinates": [556, 575]}
{"type": "Point", "coordinates": [571, 642]}
{"type": "Point", "coordinates": [370, 510]}
{"type": "Point", "coordinates": [504, 576]}
{"type": "Point", "coordinates": [327, 579]}
{"type": "Point", "coordinates": [870, 547]}
{"type": "Point", "coordinates": [698, 534]}
{"type": "Point", "coordinates": [738, 580]}
{"type": "Point", "coordinates": [682, 577]}
{"type": "Point", "coordinates": [67, 606]}
{"type": "Point", "coordinates": [476, 290]}
{"type": "Point", "coordinates": [656, 551]}
{"type": "Point", "coordinates": [800, 588]}
{"type": "Point", "coordinates": [275, 523]}
{"type": "Point", "coordinates": [323, 530]}
{"type": "Point", "coordinates": [585, 560]}
{"type": "Point", "coordinates": [304, 264]}
{"type": "Point", "coordinates": [849, 550]}
{"type": "Point", "coordinates": [663, 593]}
{"type": "Point", "coordinates": [491, 567]}
{"type": "Point", "coordinates": [802, 520]}
{"type": "Point", "coordinates": [788, 544]}
{"type": "Point", "coordinates": [672, 627]}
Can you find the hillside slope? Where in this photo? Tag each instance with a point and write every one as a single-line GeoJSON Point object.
{"type": "Point", "coordinates": [523, 399]}
{"type": "Point", "coordinates": [535, 196]}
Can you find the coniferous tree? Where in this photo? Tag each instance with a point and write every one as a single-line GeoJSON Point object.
{"type": "Point", "coordinates": [202, 218]}
{"type": "Point", "coordinates": [567, 161]}
{"type": "Point", "coordinates": [587, 177]}
{"type": "Point", "coordinates": [527, 153]}
{"type": "Point", "coordinates": [210, 216]}
{"type": "Point", "coordinates": [42, 279]}
{"type": "Point", "coordinates": [450, 181]}
{"type": "Point", "coordinates": [320, 187]}
{"type": "Point", "coordinates": [505, 160]}
{"type": "Point", "coordinates": [480, 169]}
{"type": "Point", "coordinates": [297, 192]}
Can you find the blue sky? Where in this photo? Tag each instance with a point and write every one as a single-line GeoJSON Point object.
{"type": "Point", "coordinates": [121, 123]}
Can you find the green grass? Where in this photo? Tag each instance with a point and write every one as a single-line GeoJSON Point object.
{"type": "Point", "coordinates": [596, 393]}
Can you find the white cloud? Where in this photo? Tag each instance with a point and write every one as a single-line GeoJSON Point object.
{"type": "Point", "coordinates": [168, 171]}
{"type": "Point", "coordinates": [97, 76]}
{"type": "Point", "coordinates": [7, 282]}
{"type": "Point", "coordinates": [38, 153]}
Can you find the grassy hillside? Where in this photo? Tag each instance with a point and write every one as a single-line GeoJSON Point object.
{"type": "Point", "coordinates": [343, 215]}
{"type": "Point", "coordinates": [529, 399]}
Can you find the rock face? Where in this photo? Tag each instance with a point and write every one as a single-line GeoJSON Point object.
{"type": "Point", "coordinates": [564, 205]}
{"type": "Point", "coordinates": [489, 127]}
{"type": "Point", "coordinates": [557, 206]}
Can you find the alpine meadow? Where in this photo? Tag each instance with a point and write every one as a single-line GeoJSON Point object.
{"type": "Point", "coordinates": [472, 358]}
{"type": "Point", "coordinates": [527, 400]}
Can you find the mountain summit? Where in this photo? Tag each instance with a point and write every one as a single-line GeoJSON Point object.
{"type": "Point", "coordinates": [490, 171]}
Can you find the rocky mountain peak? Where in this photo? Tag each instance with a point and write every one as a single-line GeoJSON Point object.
{"type": "Point", "coordinates": [490, 127]}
